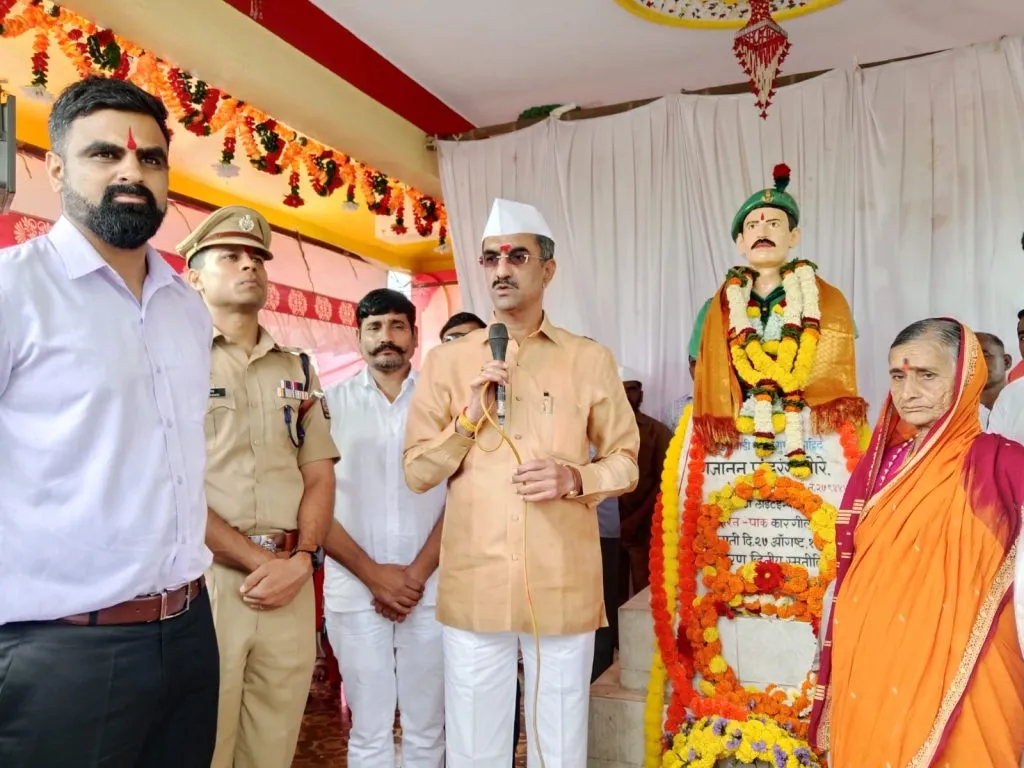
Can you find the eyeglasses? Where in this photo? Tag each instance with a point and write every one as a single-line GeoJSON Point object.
{"type": "Point", "coordinates": [516, 258]}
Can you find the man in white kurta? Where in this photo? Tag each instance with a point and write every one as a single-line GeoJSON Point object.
{"type": "Point", "coordinates": [380, 583]}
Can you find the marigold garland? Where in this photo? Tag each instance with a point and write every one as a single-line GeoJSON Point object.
{"type": "Point", "coordinates": [668, 663]}
{"type": "Point", "coordinates": [764, 588]}
{"type": "Point", "coordinates": [204, 110]}
{"type": "Point", "coordinates": [774, 359]}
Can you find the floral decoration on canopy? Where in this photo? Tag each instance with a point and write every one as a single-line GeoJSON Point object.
{"type": "Point", "coordinates": [207, 111]}
{"type": "Point", "coordinates": [716, 14]}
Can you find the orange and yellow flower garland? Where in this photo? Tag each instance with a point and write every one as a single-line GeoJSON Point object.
{"type": "Point", "coordinates": [668, 664]}
{"type": "Point", "coordinates": [764, 588]}
{"type": "Point", "coordinates": [790, 594]}
{"type": "Point", "coordinates": [204, 110]}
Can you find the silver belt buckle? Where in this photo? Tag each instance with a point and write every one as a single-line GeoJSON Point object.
{"type": "Point", "coordinates": [267, 542]}
{"type": "Point", "coordinates": [164, 615]}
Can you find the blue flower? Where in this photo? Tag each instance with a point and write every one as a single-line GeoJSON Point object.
{"type": "Point", "coordinates": [759, 746]}
{"type": "Point", "coordinates": [803, 754]}
{"type": "Point", "coordinates": [780, 757]}
{"type": "Point", "coordinates": [718, 728]}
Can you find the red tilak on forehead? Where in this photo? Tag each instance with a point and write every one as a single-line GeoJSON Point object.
{"type": "Point", "coordinates": [906, 364]}
{"type": "Point", "coordinates": [762, 215]}
{"type": "Point", "coordinates": [505, 247]}
{"type": "Point", "coordinates": [131, 140]}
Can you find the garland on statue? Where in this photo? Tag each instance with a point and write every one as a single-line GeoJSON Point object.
{"type": "Point", "coordinates": [690, 541]}
{"type": "Point", "coordinates": [774, 358]}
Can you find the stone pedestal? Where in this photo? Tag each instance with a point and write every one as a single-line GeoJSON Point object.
{"type": "Point", "coordinates": [618, 697]}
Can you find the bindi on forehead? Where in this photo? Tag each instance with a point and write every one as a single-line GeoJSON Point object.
{"type": "Point", "coordinates": [130, 143]}
{"type": "Point", "coordinates": [762, 215]}
{"type": "Point", "coordinates": [505, 247]}
{"type": "Point", "coordinates": [906, 365]}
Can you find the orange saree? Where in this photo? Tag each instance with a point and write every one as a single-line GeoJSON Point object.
{"type": "Point", "coordinates": [921, 665]}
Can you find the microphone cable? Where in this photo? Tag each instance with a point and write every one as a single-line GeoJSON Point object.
{"type": "Point", "coordinates": [488, 387]}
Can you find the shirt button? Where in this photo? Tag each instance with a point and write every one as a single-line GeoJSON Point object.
{"type": "Point", "coordinates": [518, 437]}
{"type": "Point", "coordinates": [257, 441]}
{"type": "Point", "coordinates": [515, 557]}
{"type": "Point", "coordinates": [159, 369]}
{"type": "Point", "coordinates": [515, 518]}
{"type": "Point", "coordinates": [180, 480]}
{"type": "Point", "coordinates": [170, 424]}
{"type": "Point", "coordinates": [518, 399]}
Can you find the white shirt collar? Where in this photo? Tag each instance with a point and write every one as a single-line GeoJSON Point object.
{"type": "Point", "coordinates": [368, 382]}
{"type": "Point", "coordinates": [80, 258]}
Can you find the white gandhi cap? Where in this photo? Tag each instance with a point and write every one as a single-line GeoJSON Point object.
{"type": "Point", "coordinates": [628, 374]}
{"type": "Point", "coordinates": [511, 218]}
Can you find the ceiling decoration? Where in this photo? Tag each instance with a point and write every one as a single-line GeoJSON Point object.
{"type": "Point", "coordinates": [205, 111]}
{"type": "Point", "coordinates": [716, 14]}
{"type": "Point", "coordinates": [761, 47]}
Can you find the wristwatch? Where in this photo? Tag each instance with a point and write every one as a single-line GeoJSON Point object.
{"type": "Point", "coordinates": [316, 556]}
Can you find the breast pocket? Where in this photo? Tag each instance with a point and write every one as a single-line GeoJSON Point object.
{"type": "Point", "coordinates": [221, 412]}
{"type": "Point", "coordinates": [561, 427]}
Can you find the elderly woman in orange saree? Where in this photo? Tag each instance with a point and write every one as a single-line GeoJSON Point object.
{"type": "Point", "coordinates": [921, 665]}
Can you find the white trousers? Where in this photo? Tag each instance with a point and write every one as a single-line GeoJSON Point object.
{"type": "Point", "coordinates": [480, 693]}
{"type": "Point", "coordinates": [383, 665]}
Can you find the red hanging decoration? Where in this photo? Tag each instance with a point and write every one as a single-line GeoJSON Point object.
{"type": "Point", "coordinates": [761, 47]}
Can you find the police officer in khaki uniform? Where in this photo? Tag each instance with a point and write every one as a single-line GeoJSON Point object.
{"type": "Point", "coordinates": [270, 492]}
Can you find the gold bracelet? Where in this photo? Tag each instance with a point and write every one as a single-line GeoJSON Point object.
{"type": "Point", "coordinates": [464, 422]}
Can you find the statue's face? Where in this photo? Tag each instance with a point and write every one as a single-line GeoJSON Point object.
{"type": "Point", "coordinates": [765, 239]}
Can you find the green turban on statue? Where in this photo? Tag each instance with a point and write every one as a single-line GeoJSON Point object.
{"type": "Point", "coordinates": [774, 197]}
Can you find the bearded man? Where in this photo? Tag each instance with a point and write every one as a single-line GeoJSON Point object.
{"type": "Point", "coordinates": [108, 654]}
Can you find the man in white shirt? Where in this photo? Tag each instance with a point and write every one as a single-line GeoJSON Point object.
{"type": "Point", "coordinates": [674, 413]}
{"type": "Point", "coordinates": [108, 655]}
{"type": "Point", "coordinates": [380, 584]}
{"type": "Point", "coordinates": [998, 363]}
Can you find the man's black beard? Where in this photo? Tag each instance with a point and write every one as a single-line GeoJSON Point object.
{"type": "Point", "coordinates": [121, 225]}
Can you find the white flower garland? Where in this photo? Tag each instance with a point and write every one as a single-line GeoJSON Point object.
{"type": "Point", "coordinates": [800, 287]}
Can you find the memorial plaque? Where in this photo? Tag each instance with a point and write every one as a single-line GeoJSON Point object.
{"type": "Point", "coordinates": [761, 649]}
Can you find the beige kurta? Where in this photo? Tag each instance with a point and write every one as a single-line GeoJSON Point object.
{"type": "Point", "coordinates": [253, 481]}
{"type": "Point", "coordinates": [564, 395]}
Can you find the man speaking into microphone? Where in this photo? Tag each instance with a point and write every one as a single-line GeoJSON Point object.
{"type": "Point", "coordinates": [520, 543]}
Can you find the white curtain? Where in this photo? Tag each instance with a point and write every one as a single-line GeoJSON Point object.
{"type": "Point", "coordinates": [910, 179]}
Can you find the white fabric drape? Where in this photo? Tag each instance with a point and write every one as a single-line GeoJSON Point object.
{"type": "Point", "coordinates": [910, 179]}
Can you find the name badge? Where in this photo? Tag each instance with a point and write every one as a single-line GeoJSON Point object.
{"type": "Point", "coordinates": [218, 392]}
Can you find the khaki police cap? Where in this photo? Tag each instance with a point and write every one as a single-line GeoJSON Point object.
{"type": "Point", "coordinates": [233, 225]}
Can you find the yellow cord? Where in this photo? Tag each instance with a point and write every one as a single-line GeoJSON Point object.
{"type": "Point", "coordinates": [526, 572]}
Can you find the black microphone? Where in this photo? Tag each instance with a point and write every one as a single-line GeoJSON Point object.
{"type": "Point", "coordinates": [497, 337]}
